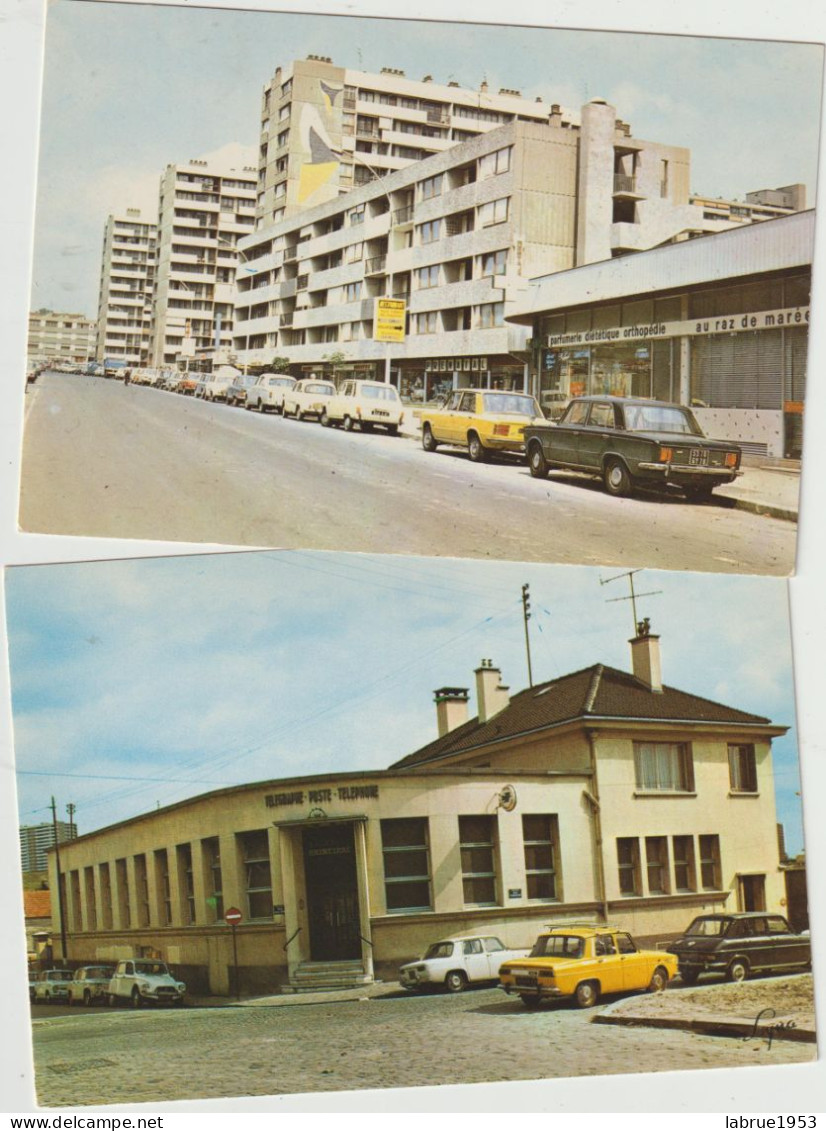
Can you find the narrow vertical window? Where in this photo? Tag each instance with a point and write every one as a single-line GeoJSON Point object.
{"type": "Point", "coordinates": [406, 864]}
{"type": "Point", "coordinates": [540, 837]}
{"type": "Point", "coordinates": [476, 837]}
{"type": "Point", "coordinates": [710, 862]}
{"type": "Point", "coordinates": [628, 860]}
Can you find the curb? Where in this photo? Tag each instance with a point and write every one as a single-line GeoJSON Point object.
{"type": "Point", "coordinates": [769, 510]}
{"type": "Point", "coordinates": [714, 1025]}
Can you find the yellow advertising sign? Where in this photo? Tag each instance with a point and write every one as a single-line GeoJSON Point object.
{"type": "Point", "coordinates": [388, 320]}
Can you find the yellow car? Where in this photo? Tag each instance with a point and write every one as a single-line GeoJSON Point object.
{"type": "Point", "coordinates": [582, 963]}
{"type": "Point", "coordinates": [483, 421]}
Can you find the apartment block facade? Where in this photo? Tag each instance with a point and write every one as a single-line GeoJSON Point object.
{"type": "Point", "coordinates": [127, 276]}
{"type": "Point", "coordinates": [456, 236]}
{"type": "Point", "coordinates": [55, 336]}
{"type": "Point", "coordinates": [763, 204]}
{"type": "Point", "coordinates": [327, 129]}
{"type": "Point", "coordinates": [204, 209]}
{"type": "Point", "coordinates": [36, 840]}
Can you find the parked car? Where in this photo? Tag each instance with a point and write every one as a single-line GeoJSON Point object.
{"type": "Point", "coordinates": [187, 382]}
{"type": "Point", "coordinates": [142, 980]}
{"type": "Point", "coordinates": [582, 963]}
{"type": "Point", "coordinates": [34, 976]}
{"type": "Point", "coordinates": [631, 442]}
{"type": "Point", "coordinates": [367, 404]}
{"type": "Point", "coordinates": [308, 398]}
{"type": "Point", "coordinates": [142, 375]}
{"type": "Point", "coordinates": [481, 421]}
{"type": "Point", "coordinates": [237, 391]}
{"type": "Point", "coordinates": [268, 392]}
{"type": "Point", "coordinates": [454, 963]}
{"type": "Point", "coordinates": [52, 985]}
{"type": "Point", "coordinates": [215, 385]}
{"type": "Point", "coordinates": [90, 985]}
{"type": "Point", "coordinates": [740, 944]}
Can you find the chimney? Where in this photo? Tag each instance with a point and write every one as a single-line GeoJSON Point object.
{"type": "Point", "coordinates": [451, 708]}
{"type": "Point", "coordinates": [645, 657]}
{"type": "Point", "coordinates": [491, 696]}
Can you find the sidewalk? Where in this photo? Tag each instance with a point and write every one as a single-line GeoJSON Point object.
{"type": "Point", "coordinates": [767, 486]}
{"type": "Point", "coordinates": [311, 997]}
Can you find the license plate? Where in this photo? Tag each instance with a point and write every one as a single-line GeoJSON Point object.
{"type": "Point", "coordinates": [698, 457]}
{"type": "Point", "coordinates": [526, 980]}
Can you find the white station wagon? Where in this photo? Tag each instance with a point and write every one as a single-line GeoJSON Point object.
{"type": "Point", "coordinates": [368, 404]}
{"type": "Point", "coordinates": [268, 392]}
{"type": "Point", "coordinates": [454, 963]}
{"type": "Point", "coordinates": [309, 397]}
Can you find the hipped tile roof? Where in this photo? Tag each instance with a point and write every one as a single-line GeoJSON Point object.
{"type": "Point", "coordinates": [595, 692]}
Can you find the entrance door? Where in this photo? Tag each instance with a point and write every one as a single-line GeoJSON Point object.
{"type": "Point", "coordinates": [332, 893]}
{"type": "Point", "coordinates": [752, 893]}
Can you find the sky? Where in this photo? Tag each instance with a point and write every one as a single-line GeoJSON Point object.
{"type": "Point", "coordinates": [141, 682]}
{"type": "Point", "coordinates": [130, 88]}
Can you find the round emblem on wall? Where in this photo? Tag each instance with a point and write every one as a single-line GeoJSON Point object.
{"type": "Point", "coordinates": [507, 798]}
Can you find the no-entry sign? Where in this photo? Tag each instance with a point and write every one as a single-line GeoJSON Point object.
{"type": "Point", "coordinates": [233, 916]}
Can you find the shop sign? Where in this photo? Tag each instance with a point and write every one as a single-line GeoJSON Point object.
{"type": "Point", "coordinates": [322, 796]}
{"type": "Point", "coordinates": [694, 327]}
{"type": "Point", "coordinates": [457, 364]}
{"type": "Point", "coordinates": [388, 320]}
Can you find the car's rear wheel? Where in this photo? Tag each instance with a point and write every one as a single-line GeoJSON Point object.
{"type": "Point", "coordinates": [113, 1001]}
{"type": "Point", "coordinates": [476, 450]}
{"type": "Point", "coordinates": [87, 998]}
{"type": "Point", "coordinates": [137, 1000]}
{"type": "Point", "coordinates": [530, 1001]}
{"type": "Point", "coordinates": [587, 994]}
{"type": "Point", "coordinates": [616, 478]}
{"type": "Point", "coordinates": [70, 1001]}
{"type": "Point", "coordinates": [326, 422]}
{"type": "Point", "coordinates": [738, 970]}
{"type": "Point", "coordinates": [428, 439]}
{"type": "Point", "coordinates": [536, 462]}
{"type": "Point", "coordinates": [659, 980]}
{"type": "Point", "coordinates": [347, 424]}
{"type": "Point", "coordinates": [455, 982]}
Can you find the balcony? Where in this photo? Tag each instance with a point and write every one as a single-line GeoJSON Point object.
{"type": "Point", "coordinates": [403, 217]}
{"type": "Point", "coordinates": [626, 186]}
{"type": "Point", "coordinates": [290, 252]}
{"type": "Point", "coordinates": [375, 265]}
{"type": "Point", "coordinates": [285, 320]}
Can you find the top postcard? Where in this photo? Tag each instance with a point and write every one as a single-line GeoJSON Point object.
{"type": "Point", "coordinates": [323, 282]}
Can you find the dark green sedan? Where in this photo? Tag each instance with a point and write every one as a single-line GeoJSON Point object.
{"type": "Point", "coordinates": [630, 442]}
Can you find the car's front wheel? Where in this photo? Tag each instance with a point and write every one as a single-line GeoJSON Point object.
{"type": "Point", "coordinates": [476, 450]}
{"type": "Point", "coordinates": [537, 463]}
{"type": "Point", "coordinates": [347, 424]}
{"type": "Point", "coordinates": [326, 422]}
{"type": "Point", "coordinates": [587, 994]}
{"type": "Point", "coordinates": [616, 478]}
{"type": "Point", "coordinates": [659, 980]}
{"type": "Point", "coordinates": [136, 999]}
{"type": "Point", "coordinates": [455, 982]}
{"type": "Point", "coordinates": [428, 439]}
{"type": "Point", "coordinates": [87, 998]}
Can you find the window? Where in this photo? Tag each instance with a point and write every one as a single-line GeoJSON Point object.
{"type": "Point", "coordinates": [628, 859]}
{"type": "Point", "coordinates": [212, 878]}
{"type": "Point", "coordinates": [493, 163]}
{"type": "Point", "coordinates": [495, 263]}
{"type": "Point", "coordinates": [74, 885]}
{"type": "Point", "coordinates": [656, 862]}
{"type": "Point", "coordinates": [91, 901]}
{"type": "Point", "coordinates": [255, 852]}
{"type": "Point", "coordinates": [123, 893]}
{"type": "Point", "coordinates": [431, 187]}
{"type": "Point", "coordinates": [186, 882]}
{"type": "Point", "coordinates": [162, 884]}
{"type": "Point", "coordinates": [477, 853]}
{"type": "Point", "coordinates": [428, 276]}
{"type": "Point", "coordinates": [664, 766]}
{"type": "Point", "coordinates": [352, 292]}
{"type": "Point", "coordinates": [406, 864]}
{"type": "Point", "coordinates": [494, 212]}
{"type": "Point", "coordinates": [429, 232]}
{"type": "Point", "coordinates": [354, 252]}
{"type": "Point", "coordinates": [540, 837]}
{"type": "Point", "coordinates": [710, 862]}
{"type": "Point", "coordinates": [357, 216]}
{"type": "Point", "coordinates": [491, 314]}
{"type": "Point", "coordinates": [742, 768]}
{"type": "Point", "coordinates": [142, 890]}
{"type": "Point", "coordinates": [427, 323]}
{"type": "Point", "coordinates": [685, 876]}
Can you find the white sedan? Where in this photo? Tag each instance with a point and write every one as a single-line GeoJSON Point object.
{"type": "Point", "coordinates": [308, 398]}
{"type": "Point", "coordinates": [454, 963]}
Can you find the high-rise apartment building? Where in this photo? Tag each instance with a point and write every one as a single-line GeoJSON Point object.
{"type": "Point", "coordinates": [327, 129]}
{"type": "Point", "coordinates": [204, 208]}
{"type": "Point", "coordinates": [764, 204]}
{"type": "Point", "coordinates": [457, 235]}
{"type": "Point", "coordinates": [55, 336]}
{"type": "Point", "coordinates": [127, 275]}
{"type": "Point", "coordinates": [36, 840]}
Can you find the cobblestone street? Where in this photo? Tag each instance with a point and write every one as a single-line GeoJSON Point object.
{"type": "Point", "coordinates": [389, 1042]}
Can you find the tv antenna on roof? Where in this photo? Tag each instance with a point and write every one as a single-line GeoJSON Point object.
{"type": "Point", "coordinates": [641, 628]}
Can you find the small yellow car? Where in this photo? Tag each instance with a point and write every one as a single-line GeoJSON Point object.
{"type": "Point", "coordinates": [483, 421]}
{"type": "Point", "coordinates": [583, 962]}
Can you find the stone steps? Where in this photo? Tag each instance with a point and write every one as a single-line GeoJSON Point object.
{"type": "Point", "coordinates": [311, 977]}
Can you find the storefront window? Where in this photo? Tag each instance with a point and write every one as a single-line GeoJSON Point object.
{"type": "Point", "coordinates": [621, 370]}
{"type": "Point", "coordinates": [564, 374]}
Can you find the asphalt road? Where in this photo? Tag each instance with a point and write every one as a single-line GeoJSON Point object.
{"type": "Point", "coordinates": [396, 1041]}
{"type": "Point", "coordinates": [104, 460]}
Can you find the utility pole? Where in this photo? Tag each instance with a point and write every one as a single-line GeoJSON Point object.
{"type": "Point", "coordinates": [526, 612]}
{"type": "Point", "coordinates": [60, 908]}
